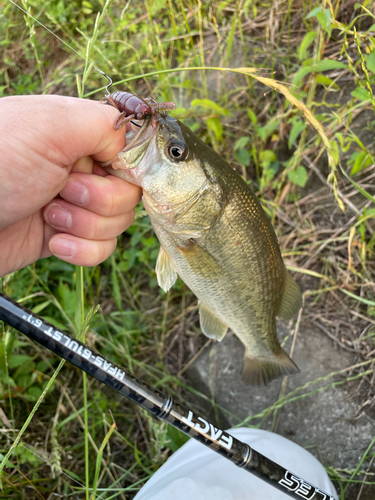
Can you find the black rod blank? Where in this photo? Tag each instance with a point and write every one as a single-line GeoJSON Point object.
{"type": "Point", "coordinates": [162, 407]}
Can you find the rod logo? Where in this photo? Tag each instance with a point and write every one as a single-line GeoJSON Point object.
{"type": "Point", "coordinates": [76, 348]}
{"type": "Point", "coordinates": [204, 427]}
{"type": "Point", "coordinates": [303, 488]}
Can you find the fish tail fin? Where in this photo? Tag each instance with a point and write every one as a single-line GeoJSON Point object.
{"type": "Point", "coordinates": [260, 371]}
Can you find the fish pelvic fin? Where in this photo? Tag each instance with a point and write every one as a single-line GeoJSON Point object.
{"type": "Point", "coordinates": [260, 371]}
{"type": "Point", "coordinates": [211, 325]}
{"type": "Point", "coordinates": [165, 271]}
{"type": "Point", "coordinates": [291, 300]}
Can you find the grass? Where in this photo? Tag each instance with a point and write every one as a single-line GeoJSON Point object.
{"type": "Point", "coordinates": [294, 114]}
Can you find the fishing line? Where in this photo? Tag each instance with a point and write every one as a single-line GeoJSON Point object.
{"type": "Point", "coordinates": [155, 402]}
{"type": "Point", "coordinates": [65, 43]}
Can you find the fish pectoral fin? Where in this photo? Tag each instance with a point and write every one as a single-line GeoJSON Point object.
{"type": "Point", "coordinates": [291, 300]}
{"type": "Point", "coordinates": [165, 272]}
{"type": "Point", "coordinates": [211, 325]}
{"type": "Point", "coordinates": [260, 371]}
{"type": "Point", "coordinates": [199, 260]}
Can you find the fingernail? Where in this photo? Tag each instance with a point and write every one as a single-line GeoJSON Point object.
{"type": "Point", "coordinates": [58, 216]}
{"type": "Point", "coordinates": [75, 192]}
{"type": "Point", "coordinates": [62, 247]}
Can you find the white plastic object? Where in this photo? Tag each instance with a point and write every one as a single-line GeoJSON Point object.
{"type": "Point", "coordinates": [194, 472]}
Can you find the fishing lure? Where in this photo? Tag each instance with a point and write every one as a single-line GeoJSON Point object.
{"type": "Point", "coordinates": [133, 107]}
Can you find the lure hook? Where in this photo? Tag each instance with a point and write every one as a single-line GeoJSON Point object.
{"type": "Point", "coordinates": [109, 79]}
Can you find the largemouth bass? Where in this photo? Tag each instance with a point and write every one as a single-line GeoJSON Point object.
{"type": "Point", "coordinates": [216, 236]}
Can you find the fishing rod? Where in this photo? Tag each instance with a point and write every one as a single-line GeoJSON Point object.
{"type": "Point", "coordinates": [159, 405]}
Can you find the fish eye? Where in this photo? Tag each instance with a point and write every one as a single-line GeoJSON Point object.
{"type": "Point", "coordinates": [177, 151]}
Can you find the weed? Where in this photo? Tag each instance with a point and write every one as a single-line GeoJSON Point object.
{"type": "Point", "coordinates": [288, 102]}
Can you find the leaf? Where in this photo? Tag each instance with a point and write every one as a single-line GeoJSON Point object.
{"type": "Point", "coordinates": [39, 308]}
{"type": "Point", "coordinates": [297, 128]}
{"type": "Point", "coordinates": [324, 19]}
{"type": "Point", "coordinates": [313, 12]}
{"type": "Point", "coordinates": [222, 6]}
{"type": "Point", "coordinates": [26, 454]}
{"type": "Point", "coordinates": [43, 366]}
{"type": "Point", "coordinates": [5, 379]}
{"type": "Point", "coordinates": [304, 45]}
{"type": "Point", "coordinates": [175, 438]}
{"type": "Point", "coordinates": [362, 161]}
{"type": "Point", "coordinates": [327, 64]}
{"type": "Point", "coordinates": [68, 299]}
{"type": "Point", "coordinates": [267, 130]}
{"type": "Point", "coordinates": [243, 157]}
{"type": "Point", "coordinates": [156, 6]}
{"type": "Point", "coordinates": [270, 164]}
{"type": "Point", "coordinates": [252, 116]}
{"type": "Point", "coordinates": [298, 176]}
{"type": "Point", "coordinates": [267, 157]}
{"type": "Point", "coordinates": [344, 142]}
{"type": "Point", "coordinates": [7, 463]}
{"type": "Point", "coordinates": [270, 168]}
{"type": "Point", "coordinates": [370, 63]}
{"type": "Point", "coordinates": [305, 70]}
{"type": "Point", "coordinates": [55, 322]}
{"type": "Point", "coordinates": [72, 474]}
{"type": "Point", "coordinates": [18, 360]}
{"type": "Point", "coordinates": [211, 105]}
{"type": "Point", "coordinates": [241, 142]}
{"type": "Point", "coordinates": [262, 133]}
{"type": "Point", "coordinates": [324, 80]}
{"type": "Point", "coordinates": [361, 94]}
{"type": "Point", "coordinates": [35, 392]}
{"type": "Point", "coordinates": [215, 125]}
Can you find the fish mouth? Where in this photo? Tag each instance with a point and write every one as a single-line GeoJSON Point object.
{"type": "Point", "coordinates": [138, 139]}
{"type": "Point", "coordinates": [140, 132]}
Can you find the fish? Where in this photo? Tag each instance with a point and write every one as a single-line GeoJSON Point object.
{"type": "Point", "coordinates": [215, 235]}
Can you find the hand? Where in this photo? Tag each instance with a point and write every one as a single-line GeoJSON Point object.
{"type": "Point", "coordinates": [54, 198]}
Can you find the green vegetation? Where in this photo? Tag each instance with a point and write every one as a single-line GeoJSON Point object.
{"type": "Point", "coordinates": [295, 117]}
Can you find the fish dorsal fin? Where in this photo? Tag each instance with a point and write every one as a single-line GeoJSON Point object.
{"type": "Point", "coordinates": [211, 325]}
{"type": "Point", "coordinates": [291, 300]}
{"type": "Point", "coordinates": [165, 271]}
